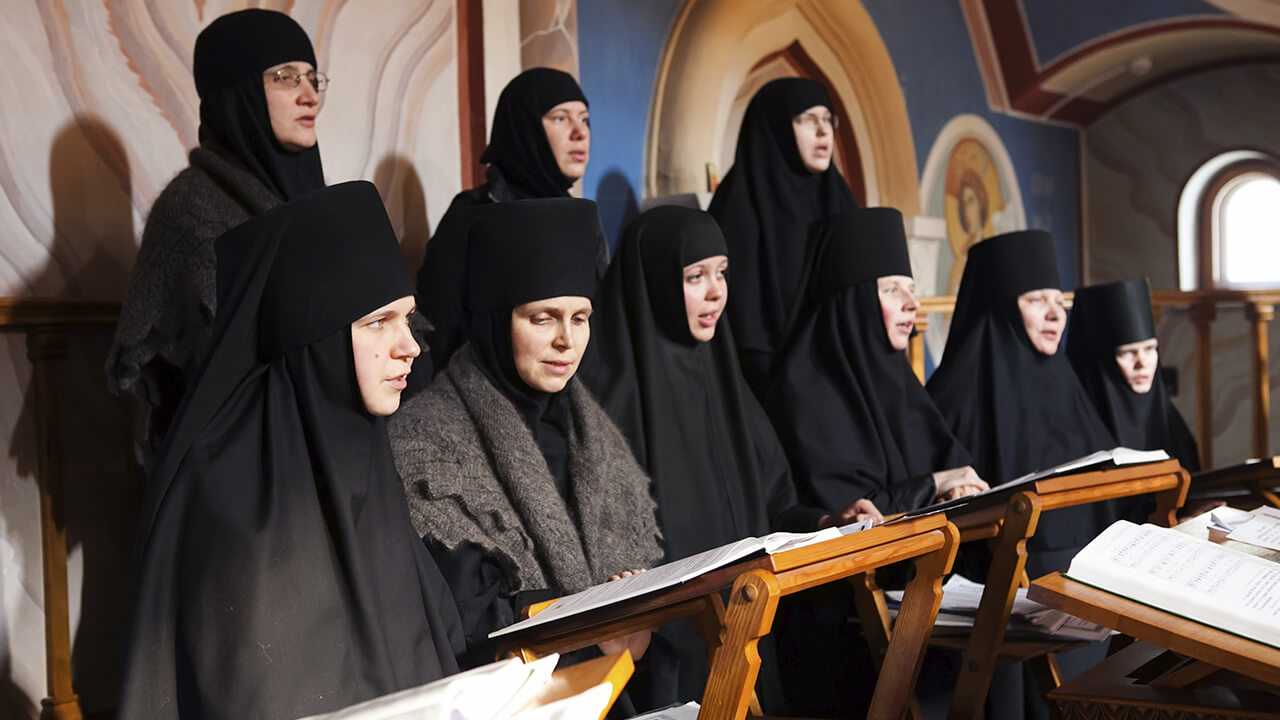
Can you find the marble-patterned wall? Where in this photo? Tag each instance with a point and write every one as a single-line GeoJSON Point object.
{"type": "Point", "coordinates": [1137, 160]}
{"type": "Point", "coordinates": [549, 34]}
{"type": "Point", "coordinates": [98, 115]}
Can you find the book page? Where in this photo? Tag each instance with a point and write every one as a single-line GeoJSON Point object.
{"type": "Point", "coordinates": [481, 693]}
{"type": "Point", "coordinates": [1169, 570]}
{"type": "Point", "coordinates": [663, 576]}
{"type": "Point", "coordinates": [1261, 529]}
{"type": "Point", "coordinates": [674, 573]}
{"type": "Point", "coordinates": [688, 711]}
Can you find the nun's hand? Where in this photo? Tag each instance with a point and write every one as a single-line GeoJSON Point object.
{"type": "Point", "coordinates": [637, 642]}
{"type": "Point", "coordinates": [861, 510]}
{"type": "Point", "coordinates": [957, 483]}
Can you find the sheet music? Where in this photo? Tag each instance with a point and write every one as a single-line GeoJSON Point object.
{"type": "Point", "coordinates": [1197, 579]}
{"type": "Point", "coordinates": [1261, 529]}
{"type": "Point", "coordinates": [674, 573]}
{"type": "Point", "coordinates": [1117, 456]}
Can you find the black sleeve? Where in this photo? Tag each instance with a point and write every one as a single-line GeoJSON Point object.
{"type": "Point", "coordinates": [478, 585]}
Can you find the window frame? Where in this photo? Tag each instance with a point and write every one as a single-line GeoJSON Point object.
{"type": "Point", "coordinates": [1208, 220]}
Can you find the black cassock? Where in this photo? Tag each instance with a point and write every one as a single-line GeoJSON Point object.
{"type": "Point", "coordinates": [277, 574]}
{"type": "Point", "coordinates": [765, 206]}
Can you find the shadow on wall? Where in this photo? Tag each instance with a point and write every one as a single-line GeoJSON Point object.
{"type": "Point", "coordinates": [616, 200]}
{"type": "Point", "coordinates": [401, 190]}
{"type": "Point", "coordinates": [100, 489]}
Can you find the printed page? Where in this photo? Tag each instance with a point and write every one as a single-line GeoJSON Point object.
{"type": "Point", "coordinates": [1208, 583]}
{"type": "Point", "coordinates": [663, 576]}
{"type": "Point", "coordinates": [483, 691]}
{"type": "Point", "coordinates": [688, 711]}
{"type": "Point", "coordinates": [1261, 529]}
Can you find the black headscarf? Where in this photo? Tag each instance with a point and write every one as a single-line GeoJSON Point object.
{"type": "Point", "coordinates": [518, 252]}
{"type": "Point", "coordinates": [765, 207]}
{"type": "Point", "coordinates": [518, 142]}
{"type": "Point", "coordinates": [230, 57]}
{"type": "Point", "coordinates": [277, 572]}
{"type": "Point", "coordinates": [1105, 317]}
{"type": "Point", "coordinates": [719, 474]}
{"type": "Point", "coordinates": [1016, 409]}
{"type": "Point", "coordinates": [854, 419]}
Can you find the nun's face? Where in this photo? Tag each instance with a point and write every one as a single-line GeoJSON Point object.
{"type": "Point", "coordinates": [1138, 361]}
{"type": "Point", "coordinates": [384, 350]}
{"type": "Point", "coordinates": [1044, 314]}
{"type": "Point", "coordinates": [898, 306]}
{"type": "Point", "coordinates": [568, 127]}
{"type": "Point", "coordinates": [292, 105]}
{"type": "Point", "coordinates": [548, 338]}
{"type": "Point", "coordinates": [706, 290]}
{"type": "Point", "coordinates": [815, 132]}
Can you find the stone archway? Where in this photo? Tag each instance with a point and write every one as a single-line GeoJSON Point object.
{"type": "Point", "coordinates": [714, 46]}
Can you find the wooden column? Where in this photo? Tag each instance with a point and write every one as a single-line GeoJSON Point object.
{"type": "Point", "coordinates": [915, 350]}
{"type": "Point", "coordinates": [45, 347]}
{"type": "Point", "coordinates": [1259, 314]}
{"type": "Point", "coordinates": [1202, 315]}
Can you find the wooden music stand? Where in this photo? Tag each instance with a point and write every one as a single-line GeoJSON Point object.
{"type": "Point", "coordinates": [1259, 478]}
{"type": "Point", "coordinates": [732, 633]}
{"type": "Point", "coordinates": [1010, 519]}
{"type": "Point", "coordinates": [1213, 649]}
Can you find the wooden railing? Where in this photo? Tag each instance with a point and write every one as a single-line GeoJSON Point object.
{"type": "Point", "coordinates": [46, 324]}
{"type": "Point", "coordinates": [1202, 308]}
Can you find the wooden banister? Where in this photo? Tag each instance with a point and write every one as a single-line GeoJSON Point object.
{"type": "Point", "coordinates": [46, 322]}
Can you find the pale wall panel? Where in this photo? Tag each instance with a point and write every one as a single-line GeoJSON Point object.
{"type": "Point", "coordinates": [99, 113]}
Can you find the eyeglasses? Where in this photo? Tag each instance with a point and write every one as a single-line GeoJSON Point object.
{"type": "Point", "coordinates": [290, 79]}
{"type": "Point", "coordinates": [813, 120]}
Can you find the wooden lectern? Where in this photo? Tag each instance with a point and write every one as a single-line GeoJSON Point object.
{"type": "Point", "coordinates": [1009, 519]}
{"type": "Point", "coordinates": [733, 631]}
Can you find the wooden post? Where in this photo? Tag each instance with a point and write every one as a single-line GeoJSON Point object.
{"type": "Point", "coordinates": [915, 350]}
{"type": "Point", "coordinates": [1259, 314]}
{"type": "Point", "coordinates": [45, 347]}
{"type": "Point", "coordinates": [1202, 315]}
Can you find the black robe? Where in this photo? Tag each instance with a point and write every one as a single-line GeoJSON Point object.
{"type": "Point", "coordinates": [1014, 408]}
{"type": "Point", "coordinates": [718, 472]}
{"type": "Point", "coordinates": [765, 205]}
{"type": "Point", "coordinates": [854, 419]}
{"type": "Point", "coordinates": [1103, 318]}
{"type": "Point", "coordinates": [277, 574]}
{"type": "Point", "coordinates": [521, 166]}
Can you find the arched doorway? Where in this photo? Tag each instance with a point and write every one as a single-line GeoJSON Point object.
{"type": "Point", "coordinates": [718, 54]}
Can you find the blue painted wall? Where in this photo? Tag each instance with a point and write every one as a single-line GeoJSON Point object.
{"type": "Point", "coordinates": [621, 41]}
{"type": "Point", "coordinates": [1058, 27]}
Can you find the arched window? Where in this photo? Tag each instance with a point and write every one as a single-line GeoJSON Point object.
{"type": "Point", "coordinates": [1229, 223]}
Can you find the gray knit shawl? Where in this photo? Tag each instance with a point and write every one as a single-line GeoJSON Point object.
{"type": "Point", "coordinates": [168, 311]}
{"type": "Point", "coordinates": [473, 473]}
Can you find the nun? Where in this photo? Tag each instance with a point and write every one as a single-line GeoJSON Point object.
{"type": "Point", "coordinates": [854, 419]}
{"type": "Point", "coordinates": [277, 573]}
{"type": "Point", "coordinates": [538, 148]}
{"type": "Point", "coordinates": [1117, 358]}
{"type": "Point", "coordinates": [1014, 402]}
{"type": "Point", "coordinates": [1007, 393]}
{"type": "Point", "coordinates": [517, 480]}
{"type": "Point", "coordinates": [782, 180]}
{"type": "Point", "coordinates": [255, 73]}
{"type": "Point", "coordinates": [667, 372]}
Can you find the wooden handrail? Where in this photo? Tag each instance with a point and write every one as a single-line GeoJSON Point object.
{"type": "Point", "coordinates": [22, 313]}
{"type": "Point", "coordinates": [1202, 306]}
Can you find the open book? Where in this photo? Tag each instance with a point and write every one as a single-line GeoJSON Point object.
{"type": "Point", "coordinates": [504, 690]}
{"type": "Point", "coordinates": [1196, 579]}
{"type": "Point", "coordinates": [1100, 460]}
{"type": "Point", "coordinates": [674, 573]}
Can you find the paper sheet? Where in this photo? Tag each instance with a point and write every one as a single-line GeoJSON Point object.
{"type": "Point", "coordinates": [1261, 529]}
